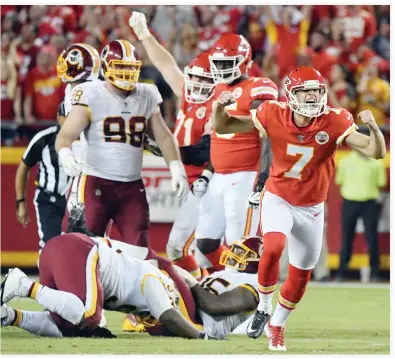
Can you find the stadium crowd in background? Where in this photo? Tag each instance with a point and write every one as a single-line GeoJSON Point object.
{"type": "Point", "coordinates": [349, 45]}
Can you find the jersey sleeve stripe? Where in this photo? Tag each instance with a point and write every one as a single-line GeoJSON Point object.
{"type": "Point", "coordinates": [264, 90]}
{"type": "Point", "coordinates": [252, 290]}
{"type": "Point", "coordinates": [349, 130]}
{"type": "Point", "coordinates": [257, 124]}
{"type": "Point", "coordinates": [37, 137]}
{"type": "Point", "coordinates": [145, 278]}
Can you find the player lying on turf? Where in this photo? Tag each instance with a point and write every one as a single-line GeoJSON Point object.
{"type": "Point", "coordinates": [79, 277]}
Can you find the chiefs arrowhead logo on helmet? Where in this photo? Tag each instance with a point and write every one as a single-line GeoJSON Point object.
{"type": "Point", "coordinates": [121, 64]}
{"type": "Point", "coordinates": [198, 81]}
{"type": "Point", "coordinates": [243, 255]}
{"type": "Point", "coordinates": [230, 58]}
{"type": "Point", "coordinates": [78, 63]}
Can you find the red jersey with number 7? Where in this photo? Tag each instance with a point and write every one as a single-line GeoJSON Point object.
{"type": "Point", "coordinates": [303, 158]}
{"type": "Point", "coordinates": [193, 122]}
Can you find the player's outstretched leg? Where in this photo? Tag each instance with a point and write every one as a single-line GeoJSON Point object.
{"type": "Point", "coordinates": [37, 323]}
{"type": "Point", "coordinates": [66, 305]}
{"type": "Point", "coordinates": [268, 272]}
{"type": "Point", "coordinates": [290, 294]}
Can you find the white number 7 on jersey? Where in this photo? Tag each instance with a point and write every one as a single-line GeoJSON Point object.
{"type": "Point", "coordinates": [297, 168]}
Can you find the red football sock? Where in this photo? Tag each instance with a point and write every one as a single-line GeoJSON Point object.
{"type": "Point", "coordinates": [214, 257]}
{"type": "Point", "coordinates": [269, 264]}
{"type": "Point", "coordinates": [269, 269]}
{"type": "Point", "coordinates": [190, 264]}
{"type": "Point", "coordinates": [294, 287]}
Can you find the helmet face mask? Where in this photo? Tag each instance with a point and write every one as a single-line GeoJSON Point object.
{"type": "Point", "coordinates": [243, 255]}
{"type": "Point", "coordinates": [230, 58]}
{"type": "Point", "coordinates": [306, 80]}
{"type": "Point", "coordinates": [121, 66]}
{"type": "Point", "coordinates": [198, 81]}
{"type": "Point", "coordinates": [79, 62]}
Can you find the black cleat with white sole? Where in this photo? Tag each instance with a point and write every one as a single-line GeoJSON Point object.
{"type": "Point", "coordinates": [257, 325]}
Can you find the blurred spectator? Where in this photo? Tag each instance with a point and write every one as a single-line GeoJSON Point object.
{"type": "Point", "coordinates": [44, 91]}
{"type": "Point", "coordinates": [58, 42]}
{"type": "Point", "coordinates": [24, 51]}
{"type": "Point", "coordinates": [340, 92]}
{"type": "Point", "coordinates": [321, 57]}
{"type": "Point", "coordinates": [208, 33]}
{"type": "Point", "coordinates": [360, 179]}
{"type": "Point", "coordinates": [183, 45]}
{"type": "Point", "coordinates": [381, 43]}
{"type": "Point", "coordinates": [374, 93]}
{"type": "Point", "coordinates": [359, 25]}
{"type": "Point", "coordinates": [287, 31]}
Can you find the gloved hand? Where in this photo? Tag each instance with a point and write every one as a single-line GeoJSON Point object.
{"type": "Point", "coordinates": [71, 167]}
{"type": "Point", "coordinates": [199, 187]}
{"type": "Point", "coordinates": [179, 178]}
{"type": "Point", "coordinates": [255, 196]}
{"type": "Point", "coordinates": [138, 23]}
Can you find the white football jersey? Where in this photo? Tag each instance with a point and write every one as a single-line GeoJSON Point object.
{"type": "Point", "coordinates": [114, 138]}
{"type": "Point", "coordinates": [221, 282]}
{"type": "Point", "coordinates": [133, 286]}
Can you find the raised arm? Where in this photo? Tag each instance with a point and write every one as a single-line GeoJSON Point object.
{"type": "Point", "coordinates": [159, 56]}
{"type": "Point", "coordinates": [373, 145]}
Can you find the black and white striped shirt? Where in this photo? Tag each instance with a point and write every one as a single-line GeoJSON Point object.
{"type": "Point", "coordinates": [50, 176]}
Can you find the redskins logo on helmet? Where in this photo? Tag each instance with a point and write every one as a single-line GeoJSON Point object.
{"type": "Point", "coordinates": [303, 79]}
{"type": "Point", "coordinates": [199, 84]}
{"type": "Point", "coordinates": [121, 64]}
{"type": "Point", "coordinates": [79, 62]}
{"type": "Point", "coordinates": [243, 255]}
{"type": "Point", "coordinates": [230, 58]}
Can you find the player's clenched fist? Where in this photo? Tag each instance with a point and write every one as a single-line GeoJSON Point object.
{"type": "Point", "coordinates": [226, 98]}
{"type": "Point", "coordinates": [138, 23]}
{"type": "Point", "coordinates": [367, 118]}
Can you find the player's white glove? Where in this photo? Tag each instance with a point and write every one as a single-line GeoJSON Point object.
{"type": "Point", "coordinates": [199, 187]}
{"type": "Point", "coordinates": [179, 178]}
{"type": "Point", "coordinates": [190, 280]}
{"type": "Point", "coordinates": [138, 23]}
{"type": "Point", "coordinates": [67, 160]}
{"type": "Point", "coordinates": [255, 196]}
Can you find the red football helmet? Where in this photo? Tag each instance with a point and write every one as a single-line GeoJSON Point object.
{"type": "Point", "coordinates": [79, 62]}
{"type": "Point", "coordinates": [121, 64]}
{"type": "Point", "coordinates": [199, 84]}
{"type": "Point", "coordinates": [306, 78]}
{"type": "Point", "coordinates": [230, 58]}
{"type": "Point", "coordinates": [243, 255]}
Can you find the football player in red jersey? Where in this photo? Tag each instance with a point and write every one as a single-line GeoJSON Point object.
{"type": "Point", "coordinates": [304, 134]}
{"type": "Point", "coordinates": [195, 87]}
{"type": "Point", "coordinates": [229, 207]}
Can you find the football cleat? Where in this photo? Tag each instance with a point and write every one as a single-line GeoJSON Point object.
{"type": "Point", "coordinates": [133, 323]}
{"type": "Point", "coordinates": [11, 285]}
{"type": "Point", "coordinates": [276, 341]}
{"type": "Point", "coordinates": [6, 316]}
{"type": "Point", "coordinates": [257, 324]}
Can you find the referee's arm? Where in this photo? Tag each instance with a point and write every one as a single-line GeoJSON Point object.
{"type": "Point", "coordinates": [32, 155]}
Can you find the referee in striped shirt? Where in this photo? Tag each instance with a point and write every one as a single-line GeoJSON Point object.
{"type": "Point", "coordinates": [52, 183]}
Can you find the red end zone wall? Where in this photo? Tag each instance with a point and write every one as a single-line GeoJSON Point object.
{"type": "Point", "coordinates": [19, 246]}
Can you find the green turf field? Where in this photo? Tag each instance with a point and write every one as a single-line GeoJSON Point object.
{"type": "Point", "coordinates": [329, 320]}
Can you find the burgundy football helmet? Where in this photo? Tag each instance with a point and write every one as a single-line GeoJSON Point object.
{"type": "Point", "coordinates": [243, 255]}
{"type": "Point", "coordinates": [121, 64]}
{"type": "Point", "coordinates": [78, 63]}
